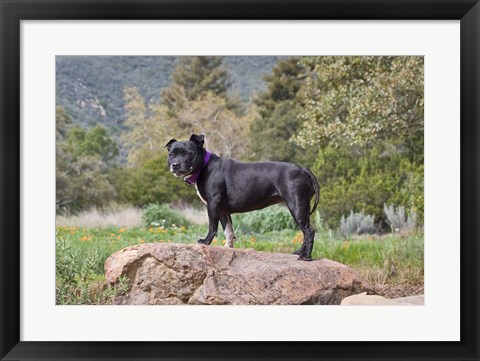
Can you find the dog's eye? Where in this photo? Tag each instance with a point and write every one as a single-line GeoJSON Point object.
{"type": "Point", "coordinates": [170, 156]}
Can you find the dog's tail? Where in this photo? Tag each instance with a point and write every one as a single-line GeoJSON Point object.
{"type": "Point", "coordinates": [316, 187]}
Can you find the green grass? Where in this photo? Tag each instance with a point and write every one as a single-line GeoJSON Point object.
{"type": "Point", "coordinates": [381, 260]}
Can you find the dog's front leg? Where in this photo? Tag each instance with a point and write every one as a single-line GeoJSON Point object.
{"type": "Point", "coordinates": [213, 219]}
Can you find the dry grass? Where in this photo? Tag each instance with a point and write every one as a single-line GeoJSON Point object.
{"type": "Point", "coordinates": [121, 217]}
{"type": "Point", "coordinates": [125, 216]}
{"type": "Point", "coordinates": [194, 215]}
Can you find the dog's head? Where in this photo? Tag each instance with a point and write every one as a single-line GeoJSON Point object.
{"type": "Point", "coordinates": [185, 158]}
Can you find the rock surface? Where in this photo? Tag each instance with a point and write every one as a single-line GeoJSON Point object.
{"type": "Point", "coordinates": [170, 273]}
{"type": "Point", "coordinates": [375, 300]}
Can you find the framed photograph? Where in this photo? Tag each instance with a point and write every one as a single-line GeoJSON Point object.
{"type": "Point", "coordinates": [142, 142]}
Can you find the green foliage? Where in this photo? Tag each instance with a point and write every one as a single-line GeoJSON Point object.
{"type": "Point", "coordinates": [161, 215]}
{"type": "Point", "coordinates": [277, 121]}
{"type": "Point", "coordinates": [76, 280]}
{"type": "Point", "coordinates": [363, 101]}
{"type": "Point", "coordinates": [269, 219]}
{"type": "Point", "coordinates": [82, 159]}
{"type": "Point", "coordinates": [357, 181]}
{"type": "Point", "coordinates": [91, 142]}
{"type": "Point", "coordinates": [201, 74]}
{"type": "Point", "coordinates": [147, 129]}
{"type": "Point", "coordinates": [388, 260]}
{"type": "Point", "coordinates": [149, 182]}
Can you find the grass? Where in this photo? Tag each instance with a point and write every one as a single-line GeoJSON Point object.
{"type": "Point", "coordinates": [392, 264]}
{"type": "Point", "coordinates": [382, 260]}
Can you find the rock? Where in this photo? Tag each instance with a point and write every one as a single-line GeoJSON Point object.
{"type": "Point", "coordinates": [167, 273]}
{"type": "Point", "coordinates": [375, 300]}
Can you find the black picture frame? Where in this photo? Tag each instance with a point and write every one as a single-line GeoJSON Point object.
{"type": "Point", "coordinates": [11, 14]}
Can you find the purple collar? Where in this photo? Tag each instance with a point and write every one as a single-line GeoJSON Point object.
{"type": "Point", "coordinates": [191, 180]}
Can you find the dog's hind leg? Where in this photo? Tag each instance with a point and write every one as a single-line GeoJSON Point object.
{"type": "Point", "coordinates": [229, 232]}
{"type": "Point", "coordinates": [227, 225]}
{"type": "Point", "coordinates": [300, 211]}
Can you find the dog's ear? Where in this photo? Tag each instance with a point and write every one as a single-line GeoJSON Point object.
{"type": "Point", "coordinates": [170, 142]}
{"type": "Point", "coordinates": [199, 139]}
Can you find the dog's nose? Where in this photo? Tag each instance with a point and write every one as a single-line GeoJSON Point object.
{"type": "Point", "coordinates": [175, 166]}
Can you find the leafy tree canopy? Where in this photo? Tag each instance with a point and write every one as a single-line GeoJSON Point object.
{"type": "Point", "coordinates": [362, 101]}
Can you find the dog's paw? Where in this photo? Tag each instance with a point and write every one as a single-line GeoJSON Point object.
{"type": "Point", "coordinates": [304, 258]}
{"type": "Point", "coordinates": [201, 241]}
{"type": "Point", "coordinates": [298, 252]}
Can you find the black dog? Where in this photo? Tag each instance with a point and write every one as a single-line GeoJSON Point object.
{"type": "Point", "coordinates": [227, 186]}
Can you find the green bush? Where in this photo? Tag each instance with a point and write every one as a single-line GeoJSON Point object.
{"type": "Point", "coordinates": [157, 215]}
{"type": "Point", "coordinates": [76, 281]}
{"type": "Point", "coordinates": [149, 183]}
{"type": "Point", "coordinates": [269, 219]}
{"type": "Point", "coordinates": [364, 180]}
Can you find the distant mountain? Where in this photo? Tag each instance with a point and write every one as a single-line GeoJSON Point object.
{"type": "Point", "coordinates": [90, 88]}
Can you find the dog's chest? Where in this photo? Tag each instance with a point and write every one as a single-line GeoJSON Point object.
{"type": "Point", "coordinates": [199, 195]}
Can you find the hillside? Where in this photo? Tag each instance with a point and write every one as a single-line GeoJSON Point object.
{"type": "Point", "coordinates": [90, 88]}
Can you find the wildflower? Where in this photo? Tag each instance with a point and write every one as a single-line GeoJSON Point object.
{"type": "Point", "coordinates": [122, 230]}
{"type": "Point", "coordinates": [119, 237]}
{"type": "Point", "coordinates": [112, 234]}
{"type": "Point", "coordinates": [223, 242]}
{"type": "Point", "coordinates": [214, 241]}
{"type": "Point", "coordinates": [142, 241]}
{"type": "Point", "coordinates": [298, 238]}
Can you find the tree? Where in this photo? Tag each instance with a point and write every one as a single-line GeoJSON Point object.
{"type": "Point", "coordinates": [82, 158]}
{"type": "Point", "coordinates": [200, 74]}
{"type": "Point", "coordinates": [365, 180]}
{"type": "Point", "coordinates": [149, 182]}
{"type": "Point", "coordinates": [148, 129]}
{"type": "Point", "coordinates": [363, 101]}
{"type": "Point", "coordinates": [277, 121]}
{"type": "Point", "coordinates": [366, 116]}
{"type": "Point", "coordinates": [91, 142]}
{"type": "Point", "coordinates": [226, 132]}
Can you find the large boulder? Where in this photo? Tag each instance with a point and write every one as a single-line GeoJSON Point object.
{"type": "Point", "coordinates": [166, 273]}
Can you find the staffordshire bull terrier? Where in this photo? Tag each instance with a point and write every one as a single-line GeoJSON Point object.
{"type": "Point", "coordinates": [227, 186]}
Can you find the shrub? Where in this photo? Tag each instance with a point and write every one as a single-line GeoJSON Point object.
{"type": "Point", "coordinates": [398, 221]}
{"type": "Point", "coordinates": [157, 215]}
{"type": "Point", "coordinates": [356, 223]}
{"type": "Point", "coordinates": [269, 219]}
{"type": "Point", "coordinates": [364, 180]}
{"type": "Point", "coordinates": [150, 182]}
{"type": "Point", "coordinates": [76, 282]}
